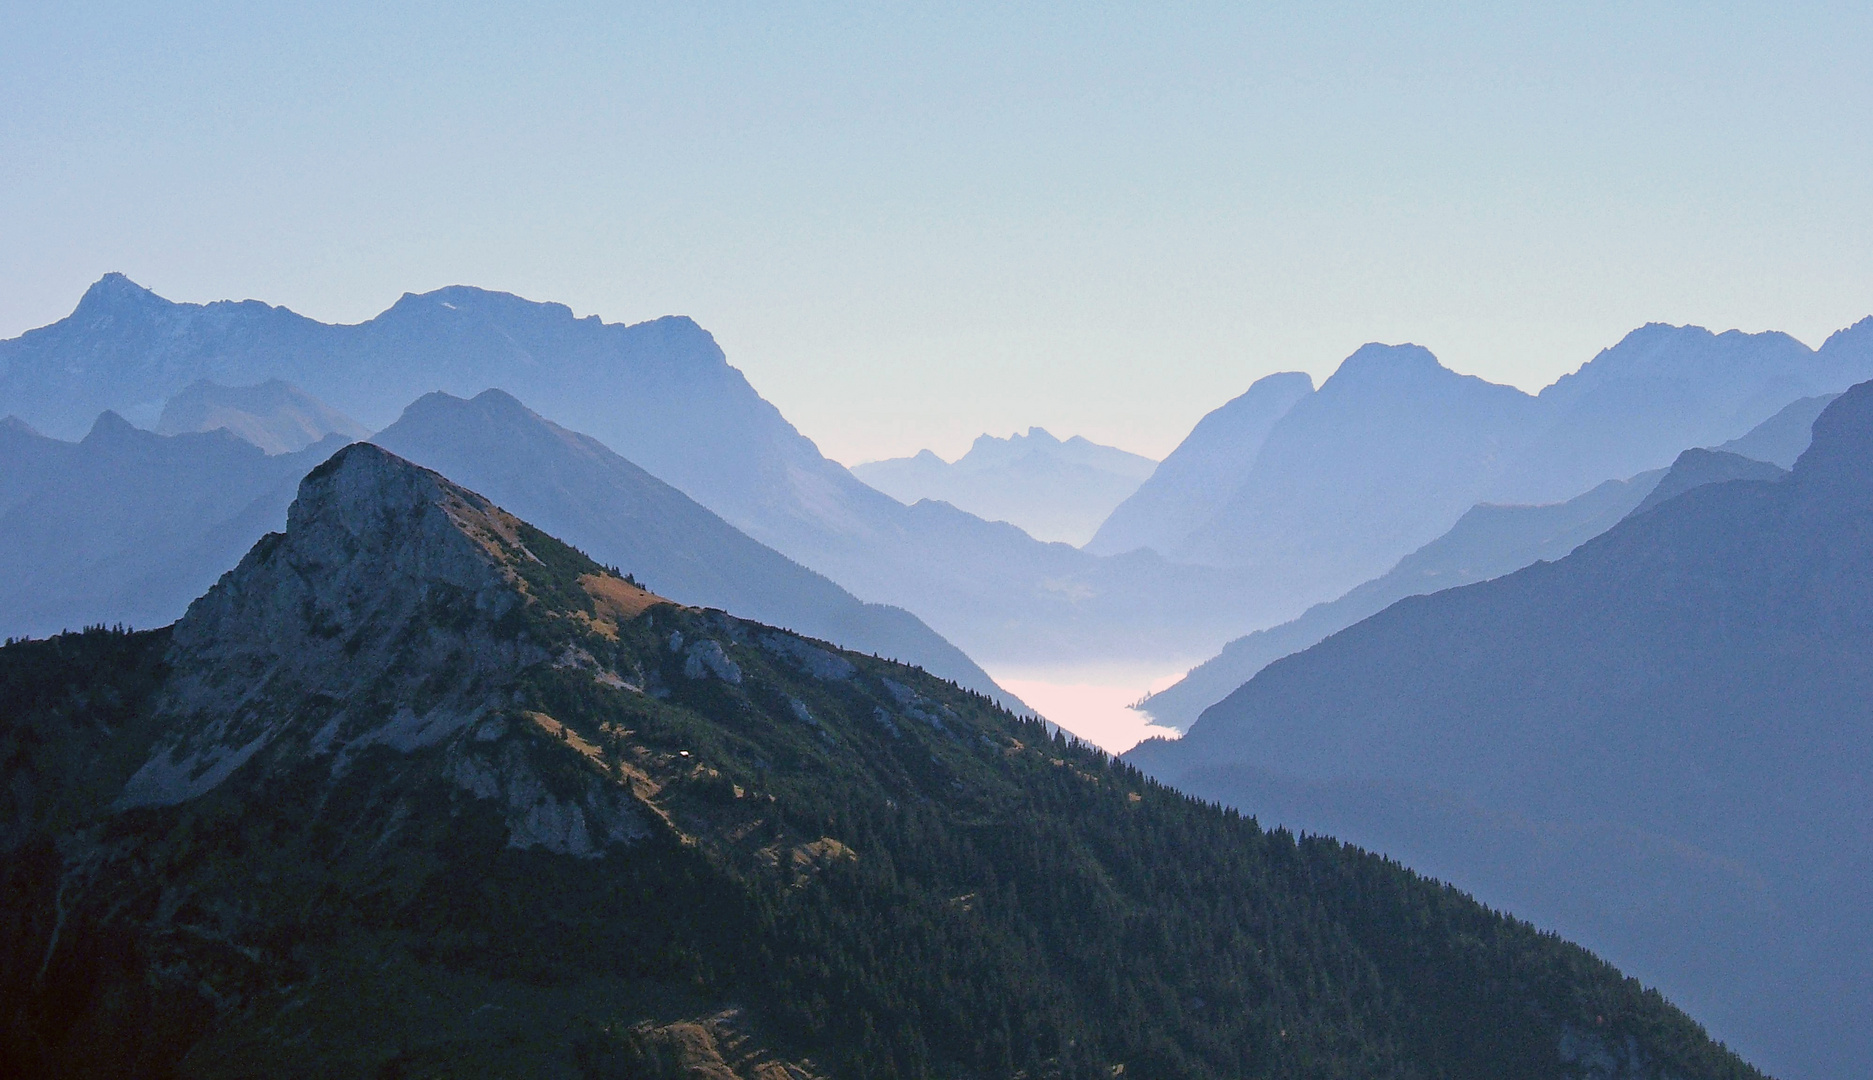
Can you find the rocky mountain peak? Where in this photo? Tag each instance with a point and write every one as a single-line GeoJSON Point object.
{"type": "Point", "coordinates": [401, 602]}
{"type": "Point", "coordinates": [115, 292]}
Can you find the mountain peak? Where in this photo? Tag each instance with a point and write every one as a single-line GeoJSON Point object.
{"type": "Point", "coordinates": [385, 571]}
{"type": "Point", "coordinates": [115, 292]}
{"type": "Point", "coordinates": [1841, 451]}
{"type": "Point", "coordinates": [1376, 362]}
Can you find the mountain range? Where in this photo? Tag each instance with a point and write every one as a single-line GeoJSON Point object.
{"type": "Point", "coordinates": [1659, 744]}
{"type": "Point", "coordinates": [417, 789]}
{"type": "Point", "coordinates": [1383, 458]}
{"type": "Point", "coordinates": [1489, 540]}
{"type": "Point", "coordinates": [127, 526]}
{"type": "Point", "coordinates": [1053, 490]}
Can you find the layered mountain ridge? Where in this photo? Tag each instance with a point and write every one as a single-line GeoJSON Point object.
{"type": "Point", "coordinates": [1659, 744]}
{"type": "Point", "coordinates": [419, 789]}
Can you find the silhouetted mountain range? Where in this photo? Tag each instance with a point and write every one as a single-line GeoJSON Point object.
{"type": "Point", "coordinates": [1054, 490]}
{"type": "Point", "coordinates": [1487, 542]}
{"type": "Point", "coordinates": [419, 790]}
{"type": "Point", "coordinates": [1661, 745]}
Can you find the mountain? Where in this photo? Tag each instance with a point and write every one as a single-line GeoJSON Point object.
{"type": "Point", "coordinates": [419, 790]}
{"type": "Point", "coordinates": [1054, 490]}
{"type": "Point", "coordinates": [275, 416]}
{"type": "Point", "coordinates": [1781, 438]}
{"type": "Point", "coordinates": [1695, 468]}
{"type": "Point", "coordinates": [571, 485]}
{"type": "Point", "coordinates": [1488, 541]}
{"type": "Point", "coordinates": [1191, 485]}
{"type": "Point", "coordinates": [662, 395]}
{"type": "Point", "coordinates": [1381, 460]}
{"type": "Point", "coordinates": [1660, 745]}
{"type": "Point", "coordinates": [1661, 389]}
{"type": "Point", "coordinates": [126, 526]}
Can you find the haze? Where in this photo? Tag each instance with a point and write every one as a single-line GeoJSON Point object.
{"type": "Point", "coordinates": [914, 228]}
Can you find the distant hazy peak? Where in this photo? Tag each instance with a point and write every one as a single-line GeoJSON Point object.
{"type": "Point", "coordinates": [1642, 351]}
{"type": "Point", "coordinates": [110, 426]}
{"type": "Point", "coordinates": [275, 415]}
{"type": "Point", "coordinates": [114, 291]}
{"type": "Point", "coordinates": [14, 423]}
{"type": "Point", "coordinates": [1697, 467]}
{"type": "Point", "coordinates": [1376, 367]}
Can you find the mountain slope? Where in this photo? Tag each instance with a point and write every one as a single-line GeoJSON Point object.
{"type": "Point", "coordinates": [1660, 745]}
{"type": "Point", "coordinates": [1190, 485]}
{"type": "Point", "coordinates": [1486, 542]}
{"type": "Point", "coordinates": [1054, 490]}
{"type": "Point", "coordinates": [126, 526]}
{"type": "Point", "coordinates": [275, 416]}
{"type": "Point", "coordinates": [419, 790]}
{"type": "Point", "coordinates": [574, 487]}
{"type": "Point", "coordinates": [1660, 389]}
{"type": "Point", "coordinates": [1381, 460]}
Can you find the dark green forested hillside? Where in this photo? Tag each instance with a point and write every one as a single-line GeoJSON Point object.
{"type": "Point", "coordinates": [419, 791]}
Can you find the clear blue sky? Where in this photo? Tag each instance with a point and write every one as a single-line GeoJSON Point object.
{"type": "Point", "coordinates": [912, 224]}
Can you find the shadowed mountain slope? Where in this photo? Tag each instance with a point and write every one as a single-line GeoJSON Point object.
{"type": "Point", "coordinates": [126, 526]}
{"type": "Point", "coordinates": [1054, 490]}
{"type": "Point", "coordinates": [1191, 485]}
{"type": "Point", "coordinates": [574, 487]}
{"type": "Point", "coordinates": [1661, 744]}
{"type": "Point", "coordinates": [419, 790]}
{"type": "Point", "coordinates": [275, 416]}
{"type": "Point", "coordinates": [1487, 542]}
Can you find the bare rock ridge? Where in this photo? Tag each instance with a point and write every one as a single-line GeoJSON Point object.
{"type": "Point", "coordinates": [389, 602]}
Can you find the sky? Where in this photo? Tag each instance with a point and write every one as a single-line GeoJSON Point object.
{"type": "Point", "coordinates": [911, 224]}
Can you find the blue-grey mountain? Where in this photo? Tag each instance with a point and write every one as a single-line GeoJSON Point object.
{"type": "Point", "coordinates": [1661, 744]}
{"type": "Point", "coordinates": [276, 416]}
{"type": "Point", "coordinates": [1191, 485]}
{"type": "Point", "coordinates": [1054, 490]}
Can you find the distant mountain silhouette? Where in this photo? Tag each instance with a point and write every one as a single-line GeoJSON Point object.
{"type": "Point", "coordinates": [1490, 540]}
{"type": "Point", "coordinates": [662, 395]}
{"type": "Point", "coordinates": [1381, 460]}
{"type": "Point", "coordinates": [1661, 745]}
{"type": "Point", "coordinates": [1053, 490]}
{"type": "Point", "coordinates": [1781, 438]}
{"type": "Point", "coordinates": [1486, 542]}
{"type": "Point", "coordinates": [573, 486]}
{"type": "Point", "coordinates": [1191, 485]}
{"type": "Point", "coordinates": [1661, 389]}
{"type": "Point", "coordinates": [126, 526]}
{"type": "Point", "coordinates": [276, 416]}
